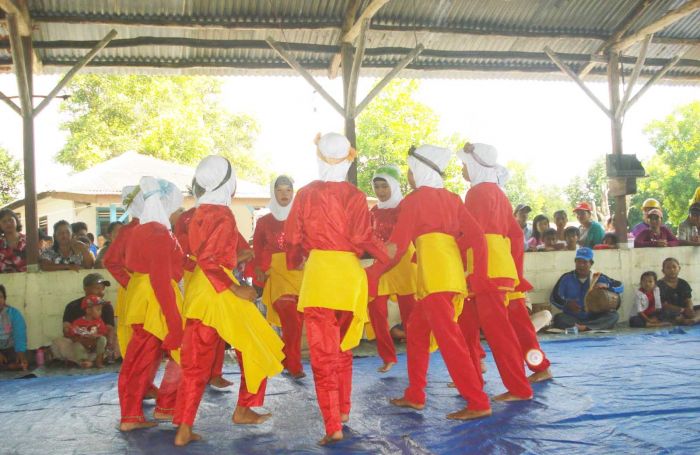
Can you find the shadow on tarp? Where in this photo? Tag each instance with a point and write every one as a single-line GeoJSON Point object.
{"type": "Point", "coordinates": [624, 394]}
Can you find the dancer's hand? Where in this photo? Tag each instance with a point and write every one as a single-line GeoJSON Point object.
{"type": "Point", "coordinates": [245, 292]}
{"type": "Point", "coordinates": [391, 250]}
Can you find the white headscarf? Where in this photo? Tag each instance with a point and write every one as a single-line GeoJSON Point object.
{"type": "Point", "coordinates": [217, 178]}
{"type": "Point", "coordinates": [482, 165]}
{"type": "Point", "coordinates": [161, 198]}
{"type": "Point", "coordinates": [279, 212]}
{"type": "Point", "coordinates": [132, 200]}
{"type": "Point", "coordinates": [391, 174]}
{"type": "Point", "coordinates": [424, 174]}
{"type": "Point", "coordinates": [335, 155]}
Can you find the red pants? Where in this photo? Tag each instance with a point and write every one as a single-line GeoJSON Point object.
{"type": "Point", "coordinates": [153, 373]}
{"type": "Point", "coordinates": [378, 316]}
{"type": "Point", "coordinates": [217, 370]}
{"type": "Point", "coordinates": [490, 313]}
{"type": "Point", "coordinates": [527, 337]}
{"type": "Point", "coordinates": [332, 368]}
{"type": "Point", "coordinates": [436, 313]}
{"type": "Point", "coordinates": [197, 356]}
{"type": "Point", "coordinates": [136, 375]}
{"type": "Point", "coordinates": [292, 323]}
{"type": "Point", "coordinates": [167, 393]}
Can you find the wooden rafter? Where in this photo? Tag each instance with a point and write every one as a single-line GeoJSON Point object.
{"type": "Point", "coordinates": [21, 12]}
{"type": "Point", "coordinates": [9, 102]}
{"type": "Point", "coordinates": [355, 72]}
{"type": "Point", "coordinates": [658, 75]}
{"type": "Point", "coordinates": [348, 21]}
{"type": "Point", "coordinates": [635, 75]}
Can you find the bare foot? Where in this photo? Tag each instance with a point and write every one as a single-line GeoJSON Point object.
{"type": "Point", "coordinates": [386, 367]}
{"type": "Point", "coordinates": [468, 414]}
{"type": "Point", "coordinates": [162, 416]}
{"type": "Point", "coordinates": [298, 375]}
{"type": "Point", "coordinates": [185, 435]}
{"type": "Point", "coordinates": [344, 418]}
{"type": "Point", "coordinates": [404, 403]}
{"type": "Point", "coordinates": [451, 385]}
{"type": "Point", "coordinates": [331, 438]}
{"type": "Point", "coordinates": [219, 382]}
{"type": "Point", "coordinates": [85, 364]}
{"type": "Point", "coordinates": [130, 426]}
{"type": "Point", "coordinates": [483, 366]}
{"type": "Point", "coordinates": [507, 396]}
{"type": "Point", "coordinates": [540, 376]}
{"type": "Point", "coordinates": [246, 416]}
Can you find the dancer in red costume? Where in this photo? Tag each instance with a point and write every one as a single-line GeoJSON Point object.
{"type": "Point", "coordinates": [152, 303]}
{"type": "Point", "coordinates": [281, 291]}
{"type": "Point", "coordinates": [400, 281]}
{"type": "Point", "coordinates": [217, 308]}
{"type": "Point", "coordinates": [492, 210]}
{"type": "Point", "coordinates": [330, 225]}
{"type": "Point", "coordinates": [436, 220]}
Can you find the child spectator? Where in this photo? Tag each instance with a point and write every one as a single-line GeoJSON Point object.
{"type": "Point", "coordinates": [539, 225]}
{"type": "Point", "coordinates": [647, 310]}
{"type": "Point", "coordinates": [549, 241]}
{"type": "Point", "coordinates": [609, 242]}
{"type": "Point", "coordinates": [571, 236]}
{"type": "Point", "coordinates": [689, 228]}
{"type": "Point", "coordinates": [676, 295]}
{"type": "Point", "coordinates": [90, 332]}
{"type": "Point", "coordinates": [656, 235]}
{"type": "Point", "coordinates": [561, 220]}
{"type": "Point", "coordinates": [13, 336]}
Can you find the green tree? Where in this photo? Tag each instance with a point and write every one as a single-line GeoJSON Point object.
{"type": "Point", "coordinates": [591, 187]}
{"type": "Point", "coordinates": [390, 125]}
{"type": "Point", "coordinates": [672, 173]}
{"type": "Point", "coordinates": [178, 118]}
{"type": "Point", "coordinates": [10, 177]}
{"type": "Point", "coordinates": [543, 199]}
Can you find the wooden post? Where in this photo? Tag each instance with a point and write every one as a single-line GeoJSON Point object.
{"type": "Point", "coordinates": [616, 135]}
{"type": "Point", "coordinates": [346, 54]}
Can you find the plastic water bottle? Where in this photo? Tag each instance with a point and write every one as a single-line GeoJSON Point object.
{"type": "Point", "coordinates": [39, 357]}
{"type": "Point", "coordinates": [571, 330]}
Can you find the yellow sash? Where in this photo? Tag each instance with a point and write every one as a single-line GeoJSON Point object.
{"type": "Point", "coordinates": [440, 268]}
{"type": "Point", "coordinates": [142, 307]}
{"type": "Point", "coordinates": [401, 279]}
{"type": "Point", "coordinates": [280, 281]}
{"type": "Point", "coordinates": [335, 280]}
{"type": "Point", "coordinates": [239, 323]}
{"type": "Point", "coordinates": [500, 260]}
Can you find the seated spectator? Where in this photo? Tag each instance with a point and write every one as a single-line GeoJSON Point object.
{"type": "Point", "coordinates": [540, 319]}
{"type": "Point", "coordinates": [647, 310]}
{"type": "Point", "coordinates": [676, 295]}
{"type": "Point", "coordinates": [79, 229]}
{"type": "Point", "coordinates": [656, 235]}
{"type": "Point", "coordinates": [13, 336]}
{"type": "Point", "coordinates": [45, 241]}
{"type": "Point", "coordinates": [539, 225]}
{"type": "Point", "coordinates": [66, 253]}
{"type": "Point", "coordinates": [561, 220]}
{"type": "Point", "coordinates": [90, 334]}
{"type": "Point", "coordinates": [570, 291]}
{"type": "Point", "coordinates": [610, 224]}
{"type": "Point", "coordinates": [609, 242]}
{"type": "Point", "coordinates": [112, 232]}
{"type": "Point", "coordinates": [91, 245]}
{"type": "Point", "coordinates": [646, 206]}
{"type": "Point", "coordinates": [13, 244]}
{"type": "Point", "coordinates": [62, 348]}
{"type": "Point", "coordinates": [571, 236]}
{"type": "Point", "coordinates": [521, 213]}
{"type": "Point", "coordinates": [689, 228]}
{"type": "Point", "coordinates": [590, 232]}
{"type": "Point", "coordinates": [549, 241]}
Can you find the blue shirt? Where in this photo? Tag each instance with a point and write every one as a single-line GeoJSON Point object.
{"type": "Point", "coordinates": [569, 287]}
{"type": "Point", "coordinates": [17, 329]}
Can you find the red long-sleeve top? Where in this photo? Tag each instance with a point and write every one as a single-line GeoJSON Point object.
{"type": "Point", "coordinates": [115, 258]}
{"type": "Point", "coordinates": [213, 239]}
{"type": "Point", "coordinates": [154, 251]}
{"type": "Point", "coordinates": [181, 232]}
{"type": "Point", "coordinates": [330, 216]}
{"type": "Point", "coordinates": [491, 208]}
{"type": "Point", "coordinates": [428, 210]}
{"type": "Point", "coordinates": [268, 239]}
{"type": "Point", "coordinates": [383, 221]}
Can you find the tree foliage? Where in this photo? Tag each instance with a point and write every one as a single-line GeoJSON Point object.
{"type": "Point", "coordinates": [590, 188]}
{"type": "Point", "coordinates": [177, 118]}
{"type": "Point", "coordinates": [672, 173]}
{"type": "Point", "coordinates": [543, 199]}
{"type": "Point", "coordinates": [10, 177]}
{"type": "Point", "coordinates": [390, 125]}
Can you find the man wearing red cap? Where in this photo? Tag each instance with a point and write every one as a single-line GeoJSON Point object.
{"type": "Point", "coordinates": [592, 232]}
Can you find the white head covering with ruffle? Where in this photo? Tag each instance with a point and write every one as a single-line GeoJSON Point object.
{"type": "Point", "coordinates": [132, 200]}
{"type": "Point", "coordinates": [391, 173]}
{"type": "Point", "coordinates": [423, 174]}
{"type": "Point", "coordinates": [161, 198]}
{"type": "Point", "coordinates": [278, 211]}
{"type": "Point", "coordinates": [216, 176]}
{"type": "Point", "coordinates": [335, 147]}
{"type": "Point", "coordinates": [482, 165]}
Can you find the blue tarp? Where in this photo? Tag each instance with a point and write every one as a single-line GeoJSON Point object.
{"type": "Point", "coordinates": [611, 395]}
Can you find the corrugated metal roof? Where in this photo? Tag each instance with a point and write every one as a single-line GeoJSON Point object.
{"type": "Point", "coordinates": [462, 38]}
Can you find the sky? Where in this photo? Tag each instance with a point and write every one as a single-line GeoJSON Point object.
{"type": "Point", "coordinates": [553, 126]}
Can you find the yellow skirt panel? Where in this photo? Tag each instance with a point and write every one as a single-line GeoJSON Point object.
{"type": "Point", "coordinates": [500, 260]}
{"type": "Point", "coordinates": [335, 280]}
{"type": "Point", "coordinates": [239, 323]}
{"type": "Point", "coordinates": [280, 281]}
{"type": "Point", "coordinates": [440, 267]}
{"type": "Point", "coordinates": [401, 279]}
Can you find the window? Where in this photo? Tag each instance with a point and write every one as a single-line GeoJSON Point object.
{"type": "Point", "coordinates": [44, 224]}
{"type": "Point", "coordinates": [106, 215]}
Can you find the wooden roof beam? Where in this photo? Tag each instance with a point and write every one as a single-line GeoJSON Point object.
{"type": "Point", "coordinates": [9, 102]}
{"type": "Point", "coordinates": [669, 18]}
{"type": "Point", "coordinates": [658, 75]}
{"type": "Point", "coordinates": [635, 75]}
{"type": "Point", "coordinates": [21, 12]}
{"type": "Point", "coordinates": [348, 21]}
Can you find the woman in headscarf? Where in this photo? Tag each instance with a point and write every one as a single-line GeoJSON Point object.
{"type": "Point", "coordinates": [152, 303]}
{"type": "Point", "coordinates": [281, 291]}
{"type": "Point", "coordinates": [490, 311]}
{"type": "Point", "coordinates": [400, 281]}
{"type": "Point", "coordinates": [329, 228]}
{"type": "Point", "coordinates": [442, 230]}
{"type": "Point", "coordinates": [217, 307]}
